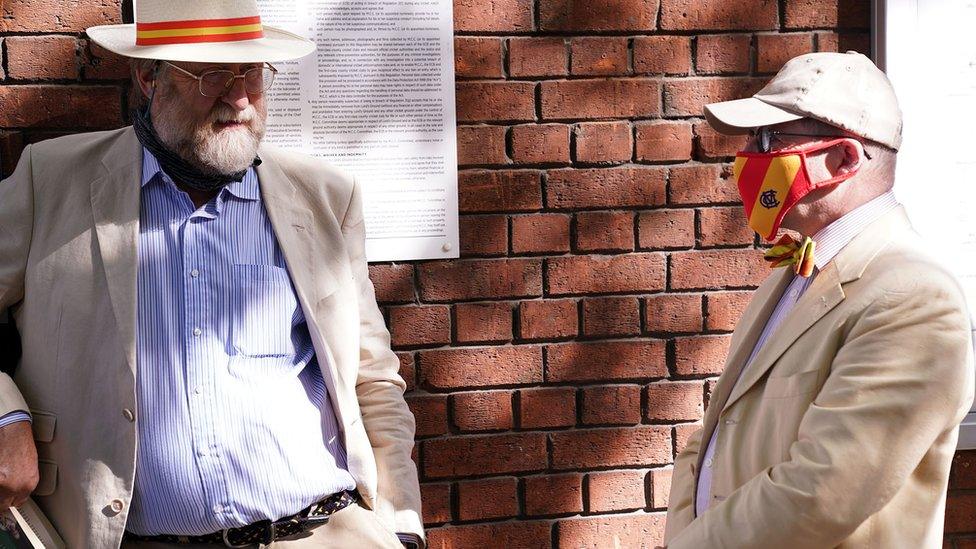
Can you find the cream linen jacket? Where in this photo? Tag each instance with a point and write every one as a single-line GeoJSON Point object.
{"type": "Point", "coordinates": [842, 430]}
{"type": "Point", "coordinates": [69, 226]}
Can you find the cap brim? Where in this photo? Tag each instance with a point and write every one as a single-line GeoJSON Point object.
{"type": "Point", "coordinates": [741, 115]}
{"type": "Point", "coordinates": [276, 45]}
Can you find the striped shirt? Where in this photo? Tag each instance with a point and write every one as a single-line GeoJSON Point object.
{"type": "Point", "coordinates": [830, 241]}
{"type": "Point", "coordinates": [236, 424]}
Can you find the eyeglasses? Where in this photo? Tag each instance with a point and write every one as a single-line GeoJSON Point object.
{"type": "Point", "coordinates": [216, 83]}
{"type": "Point", "coordinates": [764, 138]}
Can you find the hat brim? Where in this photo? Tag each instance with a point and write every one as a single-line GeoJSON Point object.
{"type": "Point", "coordinates": [276, 45]}
{"type": "Point", "coordinates": [741, 115]}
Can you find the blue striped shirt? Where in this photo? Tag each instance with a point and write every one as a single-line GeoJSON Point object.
{"type": "Point", "coordinates": [235, 421]}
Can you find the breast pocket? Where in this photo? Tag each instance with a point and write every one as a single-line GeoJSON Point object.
{"type": "Point", "coordinates": [793, 385]}
{"type": "Point", "coordinates": [262, 310]}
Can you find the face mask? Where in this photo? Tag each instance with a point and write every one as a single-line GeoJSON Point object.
{"type": "Point", "coordinates": [770, 184]}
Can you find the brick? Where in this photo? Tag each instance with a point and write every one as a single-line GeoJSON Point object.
{"type": "Point", "coordinates": [774, 50]}
{"type": "Point", "coordinates": [60, 107]}
{"type": "Point", "coordinates": [631, 273]}
{"type": "Point", "coordinates": [492, 15]}
{"type": "Point", "coordinates": [499, 191]}
{"type": "Point", "coordinates": [393, 283]}
{"type": "Point", "coordinates": [599, 56]}
{"type": "Point", "coordinates": [670, 402]}
{"type": "Point", "coordinates": [683, 432]}
{"type": "Point", "coordinates": [598, 15]}
{"type": "Point", "coordinates": [420, 325]}
{"type": "Point", "coordinates": [540, 144]}
{"type": "Point", "coordinates": [724, 227]}
{"type": "Point", "coordinates": [11, 146]}
{"type": "Point", "coordinates": [606, 361]}
{"type": "Point", "coordinates": [483, 235]}
{"type": "Point", "coordinates": [605, 188]}
{"type": "Point", "coordinates": [642, 530]}
{"type": "Point", "coordinates": [666, 229]}
{"type": "Point", "coordinates": [962, 475]}
{"type": "Point", "coordinates": [724, 53]}
{"type": "Point", "coordinates": [827, 14]}
{"type": "Point", "coordinates": [480, 367]}
{"type": "Point", "coordinates": [660, 487]}
{"type": "Point", "coordinates": [540, 233]}
{"type": "Point", "coordinates": [605, 231]}
{"type": "Point", "coordinates": [662, 55]}
{"type": "Point", "coordinates": [713, 145]}
{"type": "Point", "coordinates": [495, 101]}
{"type": "Point", "coordinates": [484, 455]}
{"type": "Point", "coordinates": [101, 64]}
{"type": "Point", "coordinates": [600, 98]}
{"type": "Point", "coordinates": [481, 145]}
{"type": "Point", "coordinates": [533, 57]}
{"type": "Point", "coordinates": [688, 15]}
{"type": "Point", "coordinates": [56, 16]}
{"type": "Point", "coordinates": [553, 494]}
{"type": "Point", "coordinates": [616, 491]}
{"type": "Point", "coordinates": [604, 142]}
{"type": "Point", "coordinates": [483, 322]}
{"type": "Point", "coordinates": [611, 405]}
{"type": "Point", "coordinates": [547, 319]}
{"type": "Point", "coordinates": [408, 370]}
{"type": "Point", "coordinates": [673, 313]}
{"type": "Point", "coordinates": [430, 411]}
{"type": "Point", "coordinates": [437, 503]}
{"type": "Point", "coordinates": [701, 355]}
{"type": "Point", "coordinates": [535, 534]}
{"type": "Point", "coordinates": [611, 316]}
{"type": "Point", "coordinates": [717, 269]}
{"type": "Point", "coordinates": [663, 141]}
{"type": "Point", "coordinates": [488, 499]}
{"type": "Point", "coordinates": [482, 410]}
{"type": "Point", "coordinates": [859, 42]}
{"type": "Point", "coordinates": [707, 184]}
{"type": "Point", "coordinates": [960, 510]}
{"type": "Point", "coordinates": [614, 447]}
{"type": "Point", "coordinates": [41, 57]}
{"type": "Point", "coordinates": [477, 57]}
{"type": "Point", "coordinates": [547, 407]}
{"type": "Point", "coordinates": [688, 96]}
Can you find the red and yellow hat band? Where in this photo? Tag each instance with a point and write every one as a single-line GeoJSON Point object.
{"type": "Point", "coordinates": [199, 31]}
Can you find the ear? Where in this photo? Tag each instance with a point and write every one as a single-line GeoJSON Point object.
{"type": "Point", "coordinates": [145, 77]}
{"type": "Point", "coordinates": [853, 156]}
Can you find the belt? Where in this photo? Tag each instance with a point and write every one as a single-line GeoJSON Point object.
{"type": "Point", "coordinates": [264, 532]}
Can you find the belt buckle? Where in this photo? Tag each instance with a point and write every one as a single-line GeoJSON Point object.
{"type": "Point", "coordinates": [269, 529]}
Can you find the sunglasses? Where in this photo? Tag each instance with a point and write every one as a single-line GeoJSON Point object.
{"type": "Point", "coordinates": [764, 138]}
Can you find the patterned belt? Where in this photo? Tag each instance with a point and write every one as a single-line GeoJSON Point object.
{"type": "Point", "coordinates": [264, 532]}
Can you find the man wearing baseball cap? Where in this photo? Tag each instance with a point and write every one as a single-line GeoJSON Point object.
{"type": "Point", "coordinates": [836, 418]}
{"type": "Point", "coordinates": [204, 363]}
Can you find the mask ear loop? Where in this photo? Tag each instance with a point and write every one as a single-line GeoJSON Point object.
{"type": "Point", "coordinates": [848, 144]}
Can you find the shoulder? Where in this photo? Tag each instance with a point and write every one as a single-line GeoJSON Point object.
{"type": "Point", "coordinates": [83, 146]}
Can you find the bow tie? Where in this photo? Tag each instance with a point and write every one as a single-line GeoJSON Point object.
{"type": "Point", "coordinates": [787, 251]}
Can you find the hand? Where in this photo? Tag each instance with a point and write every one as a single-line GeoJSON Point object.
{"type": "Point", "coordinates": [18, 464]}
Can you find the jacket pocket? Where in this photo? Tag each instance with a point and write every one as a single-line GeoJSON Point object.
{"type": "Point", "coordinates": [48, 472]}
{"type": "Point", "coordinates": [42, 424]}
{"type": "Point", "coordinates": [794, 385]}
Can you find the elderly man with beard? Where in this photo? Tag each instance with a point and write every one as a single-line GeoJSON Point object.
{"type": "Point", "coordinates": [204, 363]}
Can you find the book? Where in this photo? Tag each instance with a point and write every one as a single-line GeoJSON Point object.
{"type": "Point", "coordinates": [26, 527]}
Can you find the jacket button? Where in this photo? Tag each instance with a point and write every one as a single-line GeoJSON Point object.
{"type": "Point", "coordinates": [128, 414]}
{"type": "Point", "coordinates": [117, 505]}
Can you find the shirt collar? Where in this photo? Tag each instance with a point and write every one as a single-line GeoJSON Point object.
{"type": "Point", "coordinates": [831, 239]}
{"type": "Point", "coordinates": [246, 188]}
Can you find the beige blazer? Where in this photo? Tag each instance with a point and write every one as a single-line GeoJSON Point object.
{"type": "Point", "coordinates": [69, 224]}
{"type": "Point", "coordinates": [841, 431]}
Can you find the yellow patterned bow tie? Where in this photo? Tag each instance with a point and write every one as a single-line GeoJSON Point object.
{"type": "Point", "coordinates": [787, 251]}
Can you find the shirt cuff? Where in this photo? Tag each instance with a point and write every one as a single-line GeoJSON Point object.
{"type": "Point", "coordinates": [14, 417]}
{"type": "Point", "coordinates": [412, 541]}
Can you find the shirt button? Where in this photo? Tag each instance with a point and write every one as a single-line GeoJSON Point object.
{"type": "Point", "coordinates": [793, 293]}
{"type": "Point", "coordinates": [197, 332]}
{"type": "Point", "coordinates": [202, 453]}
{"type": "Point", "coordinates": [218, 509]}
{"type": "Point", "coordinates": [117, 505]}
{"type": "Point", "coordinates": [194, 273]}
{"type": "Point", "coordinates": [708, 462]}
{"type": "Point", "coordinates": [128, 414]}
{"type": "Point", "coordinates": [198, 390]}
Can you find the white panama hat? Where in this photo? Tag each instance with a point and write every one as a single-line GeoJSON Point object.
{"type": "Point", "coordinates": [206, 31]}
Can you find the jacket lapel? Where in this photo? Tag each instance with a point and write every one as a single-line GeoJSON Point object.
{"type": "Point", "coordinates": [115, 207]}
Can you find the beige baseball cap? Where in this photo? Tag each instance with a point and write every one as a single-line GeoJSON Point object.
{"type": "Point", "coordinates": [845, 90]}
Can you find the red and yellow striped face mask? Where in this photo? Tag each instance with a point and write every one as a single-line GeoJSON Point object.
{"type": "Point", "coordinates": [770, 184]}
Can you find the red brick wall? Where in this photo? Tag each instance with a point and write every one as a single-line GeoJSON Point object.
{"type": "Point", "coordinates": [557, 367]}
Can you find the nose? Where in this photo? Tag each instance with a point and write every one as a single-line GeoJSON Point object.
{"type": "Point", "coordinates": [236, 95]}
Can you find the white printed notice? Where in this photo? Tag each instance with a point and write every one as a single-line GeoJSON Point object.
{"type": "Point", "coordinates": [377, 100]}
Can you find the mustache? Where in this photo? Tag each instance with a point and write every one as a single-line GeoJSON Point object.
{"type": "Point", "coordinates": [222, 114]}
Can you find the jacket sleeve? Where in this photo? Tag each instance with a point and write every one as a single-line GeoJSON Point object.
{"type": "Point", "coordinates": [902, 378]}
{"type": "Point", "coordinates": [388, 421]}
{"type": "Point", "coordinates": [681, 501]}
{"type": "Point", "coordinates": [16, 227]}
